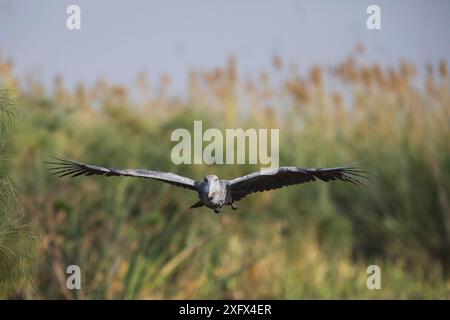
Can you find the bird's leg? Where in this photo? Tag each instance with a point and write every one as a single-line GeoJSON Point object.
{"type": "Point", "coordinates": [234, 206]}
{"type": "Point", "coordinates": [218, 210]}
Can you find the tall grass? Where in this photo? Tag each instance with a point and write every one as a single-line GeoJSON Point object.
{"type": "Point", "coordinates": [16, 245]}
{"type": "Point", "coordinates": [135, 239]}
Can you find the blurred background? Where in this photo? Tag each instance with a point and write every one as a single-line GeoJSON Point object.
{"type": "Point", "coordinates": [112, 93]}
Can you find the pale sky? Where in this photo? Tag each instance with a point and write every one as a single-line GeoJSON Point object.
{"type": "Point", "coordinates": [120, 38]}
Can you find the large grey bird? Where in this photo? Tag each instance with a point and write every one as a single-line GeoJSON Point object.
{"type": "Point", "coordinates": [215, 193]}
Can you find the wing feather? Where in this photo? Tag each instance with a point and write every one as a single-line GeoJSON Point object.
{"type": "Point", "coordinates": [62, 168]}
{"type": "Point", "coordinates": [285, 176]}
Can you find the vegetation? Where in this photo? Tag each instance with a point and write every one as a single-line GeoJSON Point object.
{"type": "Point", "coordinates": [134, 238]}
{"type": "Point", "coordinates": [16, 254]}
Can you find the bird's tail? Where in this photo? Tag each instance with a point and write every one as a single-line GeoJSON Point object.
{"type": "Point", "coordinates": [196, 205]}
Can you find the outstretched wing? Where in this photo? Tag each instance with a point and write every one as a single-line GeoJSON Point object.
{"type": "Point", "coordinates": [276, 178]}
{"type": "Point", "coordinates": [72, 168]}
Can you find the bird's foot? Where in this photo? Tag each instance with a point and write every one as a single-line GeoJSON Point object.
{"type": "Point", "coordinates": [218, 210]}
{"type": "Point", "coordinates": [233, 206]}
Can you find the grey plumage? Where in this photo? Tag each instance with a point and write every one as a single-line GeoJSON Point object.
{"type": "Point", "coordinates": [215, 193]}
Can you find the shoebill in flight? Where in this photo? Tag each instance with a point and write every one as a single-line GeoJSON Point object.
{"type": "Point", "coordinates": [213, 192]}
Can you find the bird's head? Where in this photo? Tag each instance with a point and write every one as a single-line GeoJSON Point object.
{"type": "Point", "coordinates": [212, 186]}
